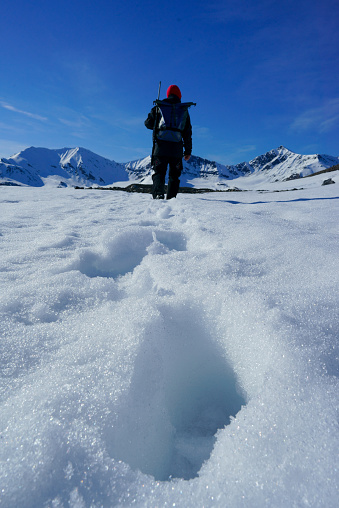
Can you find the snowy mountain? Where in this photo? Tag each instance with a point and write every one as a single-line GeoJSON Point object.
{"type": "Point", "coordinates": [282, 164]}
{"type": "Point", "coordinates": [78, 166]}
{"type": "Point", "coordinates": [72, 166]}
{"type": "Point", "coordinates": [276, 165]}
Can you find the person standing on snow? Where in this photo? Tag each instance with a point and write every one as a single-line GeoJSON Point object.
{"type": "Point", "coordinates": [172, 130]}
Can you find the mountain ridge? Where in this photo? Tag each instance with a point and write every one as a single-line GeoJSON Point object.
{"type": "Point", "coordinates": [278, 164]}
{"type": "Point", "coordinates": [79, 166]}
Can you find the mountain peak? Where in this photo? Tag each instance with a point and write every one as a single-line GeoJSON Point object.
{"type": "Point", "coordinates": [283, 150]}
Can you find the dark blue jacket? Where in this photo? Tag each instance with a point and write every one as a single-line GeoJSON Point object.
{"type": "Point", "coordinates": [171, 148]}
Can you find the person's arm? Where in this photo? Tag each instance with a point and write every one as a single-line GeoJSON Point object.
{"type": "Point", "coordinates": [187, 138]}
{"type": "Point", "coordinates": [149, 122]}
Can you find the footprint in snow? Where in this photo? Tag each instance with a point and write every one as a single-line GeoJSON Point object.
{"type": "Point", "coordinates": [123, 253]}
{"type": "Point", "coordinates": [182, 391]}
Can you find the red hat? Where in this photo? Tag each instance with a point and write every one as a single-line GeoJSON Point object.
{"type": "Point", "coordinates": [173, 90]}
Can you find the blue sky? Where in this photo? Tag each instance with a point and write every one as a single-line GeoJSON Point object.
{"type": "Point", "coordinates": [85, 73]}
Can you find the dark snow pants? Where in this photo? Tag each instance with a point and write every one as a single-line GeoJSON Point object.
{"type": "Point", "coordinates": [159, 175]}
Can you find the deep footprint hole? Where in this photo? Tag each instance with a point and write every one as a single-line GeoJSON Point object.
{"type": "Point", "coordinates": [123, 253]}
{"type": "Point", "coordinates": [183, 391]}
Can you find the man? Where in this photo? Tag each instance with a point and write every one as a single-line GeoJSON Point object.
{"type": "Point", "coordinates": [171, 124]}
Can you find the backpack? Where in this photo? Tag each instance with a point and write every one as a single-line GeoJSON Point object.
{"type": "Point", "coordinates": [172, 120]}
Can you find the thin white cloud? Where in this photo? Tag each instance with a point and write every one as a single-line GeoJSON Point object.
{"type": "Point", "coordinates": [323, 118]}
{"type": "Point", "coordinates": [133, 121]}
{"type": "Point", "coordinates": [9, 148]}
{"type": "Point", "coordinates": [9, 107]}
{"type": "Point", "coordinates": [76, 123]}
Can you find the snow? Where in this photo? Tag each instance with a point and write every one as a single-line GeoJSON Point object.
{"type": "Point", "coordinates": [179, 353]}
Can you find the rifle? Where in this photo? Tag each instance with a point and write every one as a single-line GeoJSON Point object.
{"type": "Point", "coordinates": [155, 125]}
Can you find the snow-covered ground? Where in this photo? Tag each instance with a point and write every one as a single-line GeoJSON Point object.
{"type": "Point", "coordinates": [180, 353]}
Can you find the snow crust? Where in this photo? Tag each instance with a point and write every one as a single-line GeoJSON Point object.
{"type": "Point", "coordinates": [180, 353]}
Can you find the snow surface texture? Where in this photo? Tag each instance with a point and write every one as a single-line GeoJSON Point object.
{"type": "Point", "coordinates": [179, 353]}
